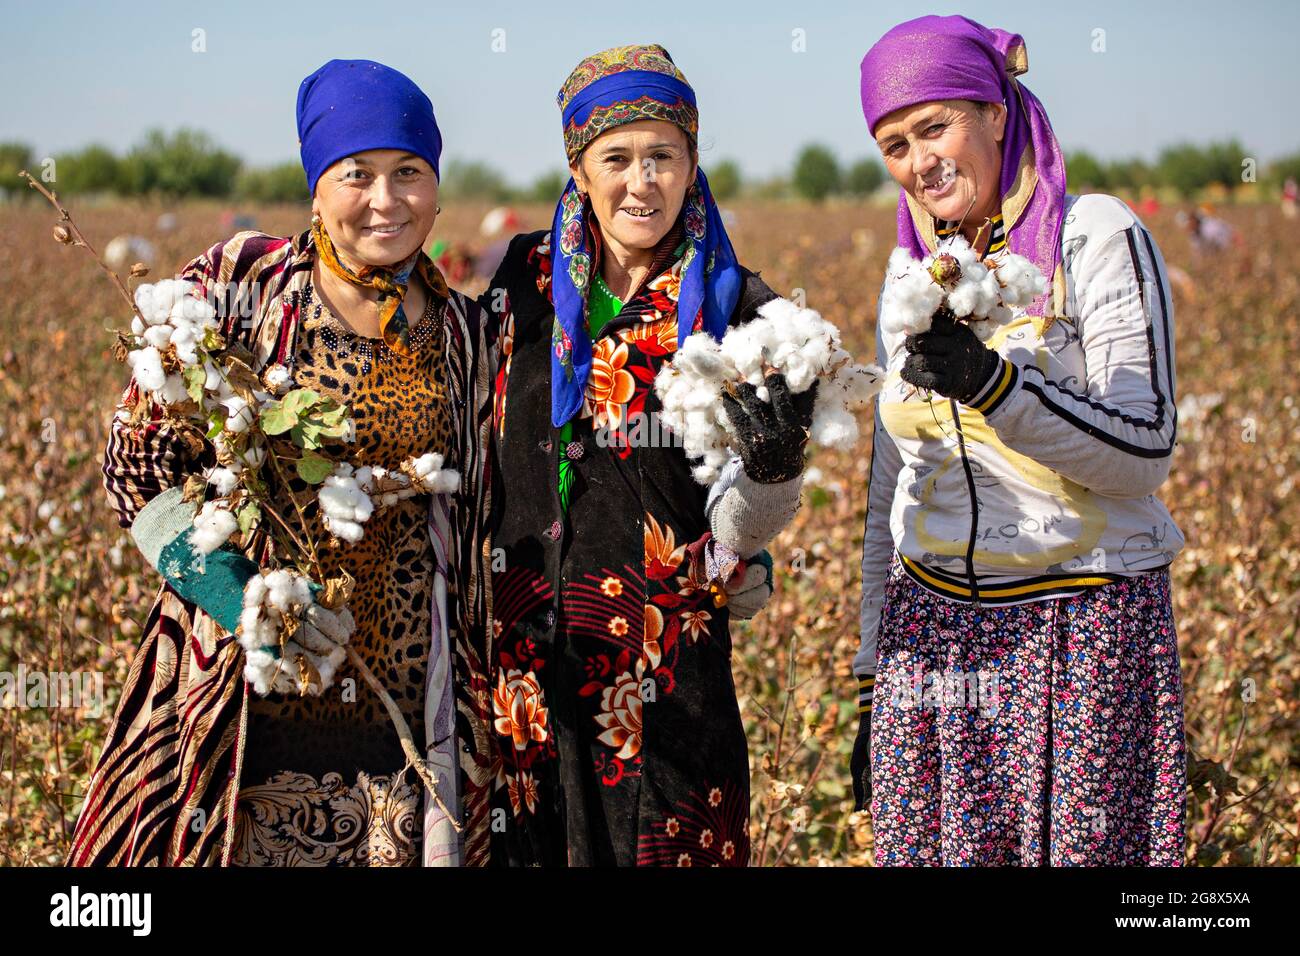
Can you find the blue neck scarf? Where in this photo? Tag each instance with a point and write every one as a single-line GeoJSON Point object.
{"type": "Point", "coordinates": [710, 287]}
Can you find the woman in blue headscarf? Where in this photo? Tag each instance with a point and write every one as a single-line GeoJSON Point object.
{"type": "Point", "coordinates": [212, 759]}
{"type": "Point", "coordinates": [617, 572]}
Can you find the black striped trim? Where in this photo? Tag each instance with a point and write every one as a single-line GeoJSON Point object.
{"type": "Point", "coordinates": [866, 691]}
{"type": "Point", "coordinates": [944, 229]}
{"type": "Point", "coordinates": [1000, 387]}
{"type": "Point", "coordinates": [1008, 592]}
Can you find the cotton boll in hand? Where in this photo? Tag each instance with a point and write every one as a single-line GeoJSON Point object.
{"type": "Point", "coordinates": [796, 342]}
{"type": "Point", "coordinates": [833, 425]}
{"type": "Point", "coordinates": [975, 295]}
{"type": "Point", "coordinates": [1021, 281]}
{"type": "Point", "coordinates": [146, 366]}
{"type": "Point", "coordinates": [911, 295]}
{"type": "Point", "coordinates": [700, 356]}
{"type": "Point", "coordinates": [213, 526]}
{"type": "Point", "coordinates": [860, 383]}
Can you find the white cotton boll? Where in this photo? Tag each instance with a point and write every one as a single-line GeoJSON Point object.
{"type": "Point", "coordinates": [716, 458]}
{"type": "Point", "coordinates": [744, 349]}
{"type": "Point", "coordinates": [146, 366]}
{"type": "Point", "coordinates": [144, 298]}
{"type": "Point", "coordinates": [974, 295]}
{"type": "Point", "coordinates": [704, 474]}
{"type": "Point", "coordinates": [699, 356]}
{"type": "Point", "coordinates": [701, 397]}
{"type": "Point", "coordinates": [364, 475]}
{"type": "Point", "coordinates": [817, 353]}
{"type": "Point", "coordinates": [444, 482]}
{"type": "Point", "coordinates": [961, 250]}
{"type": "Point", "coordinates": [253, 456]}
{"type": "Point", "coordinates": [763, 394]}
{"type": "Point", "coordinates": [278, 379]}
{"type": "Point", "coordinates": [912, 297]}
{"type": "Point", "coordinates": [159, 336]}
{"type": "Point", "coordinates": [213, 379]}
{"type": "Point", "coordinates": [800, 374]}
{"type": "Point", "coordinates": [173, 391]}
{"type": "Point", "coordinates": [189, 310]}
{"type": "Point", "coordinates": [248, 619]}
{"type": "Point", "coordinates": [255, 591]}
{"type": "Point", "coordinates": [833, 426]}
{"type": "Point", "coordinates": [213, 527]}
{"type": "Point", "coordinates": [983, 329]}
{"type": "Point", "coordinates": [860, 383]}
{"type": "Point", "coordinates": [156, 304]}
{"type": "Point", "coordinates": [239, 414]}
{"type": "Point", "coordinates": [300, 590]}
{"type": "Point", "coordinates": [426, 464]}
{"type": "Point", "coordinates": [222, 479]}
{"type": "Point", "coordinates": [187, 353]}
{"type": "Point", "coordinates": [1021, 281]}
{"type": "Point", "coordinates": [137, 326]}
{"type": "Point", "coordinates": [1000, 315]}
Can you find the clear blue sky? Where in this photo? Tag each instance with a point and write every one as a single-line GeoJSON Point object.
{"type": "Point", "coordinates": [80, 72]}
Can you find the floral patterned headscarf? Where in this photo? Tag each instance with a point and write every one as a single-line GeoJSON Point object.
{"type": "Point", "coordinates": [606, 90]}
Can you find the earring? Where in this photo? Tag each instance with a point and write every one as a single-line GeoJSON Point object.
{"type": "Point", "coordinates": [438, 211]}
{"type": "Point", "coordinates": [315, 219]}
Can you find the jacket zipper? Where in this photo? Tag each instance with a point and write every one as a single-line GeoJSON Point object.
{"type": "Point", "coordinates": [974, 505]}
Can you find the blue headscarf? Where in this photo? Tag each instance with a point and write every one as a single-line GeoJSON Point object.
{"type": "Point", "coordinates": [618, 86]}
{"type": "Point", "coordinates": [349, 106]}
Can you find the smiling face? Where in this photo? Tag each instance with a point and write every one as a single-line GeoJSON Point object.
{"type": "Point", "coordinates": [947, 155]}
{"type": "Point", "coordinates": [637, 176]}
{"type": "Point", "coordinates": [378, 207]}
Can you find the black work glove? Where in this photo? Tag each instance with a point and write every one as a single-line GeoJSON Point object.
{"type": "Point", "coordinates": [860, 764]}
{"type": "Point", "coordinates": [771, 435]}
{"type": "Point", "coordinates": [948, 359]}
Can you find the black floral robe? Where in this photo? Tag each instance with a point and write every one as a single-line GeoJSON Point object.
{"type": "Point", "coordinates": [614, 708]}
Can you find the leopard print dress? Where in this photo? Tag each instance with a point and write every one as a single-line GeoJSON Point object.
{"type": "Point", "coordinates": [323, 782]}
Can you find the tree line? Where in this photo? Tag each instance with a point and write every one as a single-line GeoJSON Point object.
{"type": "Point", "coordinates": [187, 163]}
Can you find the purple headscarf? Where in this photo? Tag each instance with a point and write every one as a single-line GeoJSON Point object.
{"type": "Point", "coordinates": [953, 58]}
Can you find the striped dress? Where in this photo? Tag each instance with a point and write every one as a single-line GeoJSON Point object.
{"type": "Point", "coordinates": [165, 790]}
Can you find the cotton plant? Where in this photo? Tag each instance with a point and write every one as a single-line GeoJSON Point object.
{"type": "Point", "coordinates": [954, 278]}
{"type": "Point", "coordinates": [351, 495]}
{"type": "Point", "coordinates": [785, 338]}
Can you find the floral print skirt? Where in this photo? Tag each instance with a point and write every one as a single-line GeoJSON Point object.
{"type": "Point", "coordinates": [1048, 733]}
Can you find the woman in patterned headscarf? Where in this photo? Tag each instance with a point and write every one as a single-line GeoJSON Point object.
{"type": "Point", "coordinates": [1017, 623]}
{"type": "Point", "coordinates": [204, 767]}
{"type": "Point", "coordinates": [612, 693]}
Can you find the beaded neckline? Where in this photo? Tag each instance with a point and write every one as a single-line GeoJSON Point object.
{"type": "Point", "coordinates": [338, 337]}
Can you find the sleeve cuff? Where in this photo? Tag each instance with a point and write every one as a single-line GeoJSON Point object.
{"type": "Point", "coordinates": [1002, 384]}
{"type": "Point", "coordinates": [866, 692]}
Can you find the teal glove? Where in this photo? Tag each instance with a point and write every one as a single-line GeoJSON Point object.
{"type": "Point", "coordinates": [216, 583]}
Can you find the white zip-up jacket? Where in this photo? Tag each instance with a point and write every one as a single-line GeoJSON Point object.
{"type": "Point", "coordinates": [1063, 448]}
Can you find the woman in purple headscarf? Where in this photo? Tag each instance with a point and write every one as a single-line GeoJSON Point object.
{"type": "Point", "coordinates": [1018, 640]}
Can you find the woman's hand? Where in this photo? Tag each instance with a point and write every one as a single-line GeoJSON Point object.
{"type": "Point", "coordinates": [948, 359]}
{"type": "Point", "coordinates": [771, 435]}
{"type": "Point", "coordinates": [750, 586]}
{"type": "Point", "coordinates": [860, 764]}
{"type": "Point", "coordinates": [308, 661]}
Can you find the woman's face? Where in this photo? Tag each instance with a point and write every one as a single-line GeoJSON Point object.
{"type": "Point", "coordinates": [378, 206]}
{"type": "Point", "coordinates": [948, 155]}
{"type": "Point", "coordinates": [637, 176]}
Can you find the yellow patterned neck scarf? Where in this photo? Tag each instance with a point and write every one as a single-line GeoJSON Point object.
{"type": "Point", "coordinates": [391, 281]}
